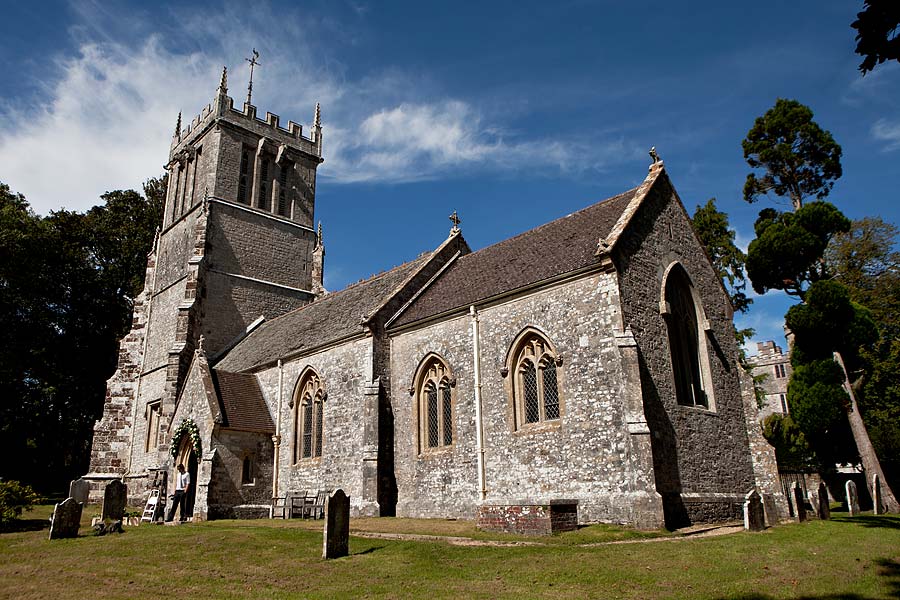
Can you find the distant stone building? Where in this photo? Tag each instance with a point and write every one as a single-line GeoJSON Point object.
{"type": "Point", "coordinates": [772, 370]}
{"type": "Point", "coordinates": [592, 358]}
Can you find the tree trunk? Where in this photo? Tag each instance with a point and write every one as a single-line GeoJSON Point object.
{"type": "Point", "coordinates": [871, 466]}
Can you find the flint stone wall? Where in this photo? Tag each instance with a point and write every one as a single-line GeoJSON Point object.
{"type": "Point", "coordinates": [695, 450]}
{"type": "Point", "coordinates": [583, 455]}
{"type": "Point", "coordinates": [344, 371]}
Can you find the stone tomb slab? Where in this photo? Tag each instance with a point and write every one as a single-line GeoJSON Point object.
{"type": "Point", "coordinates": [754, 512]}
{"type": "Point", "coordinates": [79, 490]}
{"type": "Point", "coordinates": [822, 506]}
{"type": "Point", "coordinates": [527, 518]}
{"type": "Point", "coordinates": [66, 519]}
{"type": "Point", "coordinates": [114, 497]}
{"type": "Point", "coordinates": [336, 536]}
{"type": "Point", "coordinates": [799, 503]}
{"type": "Point", "coordinates": [852, 497]}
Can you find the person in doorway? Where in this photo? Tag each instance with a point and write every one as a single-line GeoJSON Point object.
{"type": "Point", "coordinates": [182, 482]}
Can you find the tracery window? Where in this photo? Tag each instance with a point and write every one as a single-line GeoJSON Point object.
{"type": "Point", "coordinates": [535, 382]}
{"type": "Point", "coordinates": [434, 399]}
{"type": "Point", "coordinates": [687, 342]}
{"type": "Point", "coordinates": [308, 405]}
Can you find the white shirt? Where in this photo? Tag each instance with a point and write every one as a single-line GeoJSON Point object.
{"type": "Point", "coordinates": [184, 480]}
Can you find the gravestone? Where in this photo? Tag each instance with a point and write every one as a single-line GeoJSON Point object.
{"type": "Point", "coordinates": [754, 513]}
{"type": "Point", "coordinates": [66, 519]}
{"type": "Point", "coordinates": [336, 538]}
{"type": "Point", "coordinates": [114, 497]}
{"type": "Point", "coordinates": [79, 490]}
{"type": "Point", "coordinates": [771, 510]}
{"type": "Point", "coordinates": [823, 507]}
{"type": "Point", "coordinates": [799, 503]}
{"type": "Point", "coordinates": [877, 501]}
{"type": "Point", "coordinates": [852, 498]}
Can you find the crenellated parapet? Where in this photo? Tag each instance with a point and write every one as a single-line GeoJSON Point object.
{"type": "Point", "coordinates": [222, 110]}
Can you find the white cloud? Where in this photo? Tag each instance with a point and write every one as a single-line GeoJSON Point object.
{"type": "Point", "coordinates": [887, 131]}
{"type": "Point", "coordinates": [106, 120]}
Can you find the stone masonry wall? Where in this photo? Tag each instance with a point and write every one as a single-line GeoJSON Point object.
{"type": "Point", "coordinates": [226, 489]}
{"type": "Point", "coordinates": [585, 455]}
{"type": "Point", "coordinates": [344, 371]}
{"type": "Point", "coordinates": [696, 451]}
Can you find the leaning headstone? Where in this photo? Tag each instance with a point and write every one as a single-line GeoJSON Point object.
{"type": "Point", "coordinates": [79, 490]}
{"type": "Point", "coordinates": [754, 513]}
{"type": "Point", "coordinates": [336, 538]}
{"type": "Point", "coordinates": [852, 498]}
{"type": "Point", "coordinates": [66, 519]}
{"type": "Point", "coordinates": [771, 510]}
{"type": "Point", "coordinates": [877, 502]}
{"type": "Point", "coordinates": [114, 497]}
{"type": "Point", "coordinates": [823, 508]}
{"type": "Point", "coordinates": [799, 503]}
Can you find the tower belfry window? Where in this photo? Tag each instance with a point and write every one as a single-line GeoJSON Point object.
{"type": "Point", "coordinates": [244, 175]}
{"type": "Point", "coordinates": [282, 188]}
{"type": "Point", "coordinates": [264, 200]}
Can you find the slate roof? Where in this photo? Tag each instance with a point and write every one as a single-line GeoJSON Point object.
{"type": "Point", "coordinates": [332, 317]}
{"type": "Point", "coordinates": [242, 402]}
{"type": "Point", "coordinates": [559, 247]}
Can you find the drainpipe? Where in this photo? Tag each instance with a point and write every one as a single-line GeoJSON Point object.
{"type": "Point", "coordinates": [479, 427]}
{"type": "Point", "coordinates": [276, 439]}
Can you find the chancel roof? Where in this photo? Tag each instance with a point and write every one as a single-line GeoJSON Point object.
{"type": "Point", "coordinates": [331, 318]}
{"type": "Point", "coordinates": [558, 247]}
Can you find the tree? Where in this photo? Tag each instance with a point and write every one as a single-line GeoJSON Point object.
{"type": "Point", "coordinates": [66, 287]}
{"type": "Point", "coordinates": [788, 251]}
{"type": "Point", "coordinates": [864, 260]}
{"type": "Point", "coordinates": [877, 28]}
{"type": "Point", "coordinates": [792, 451]}
{"type": "Point", "coordinates": [830, 330]}
{"type": "Point", "coordinates": [798, 158]}
{"type": "Point", "coordinates": [717, 238]}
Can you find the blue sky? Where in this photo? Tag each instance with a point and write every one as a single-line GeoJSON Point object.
{"type": "Point", "coordinates": [512, 113]}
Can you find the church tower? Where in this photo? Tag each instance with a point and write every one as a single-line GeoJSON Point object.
{"type": "Point", "coordinates": [237, 242]}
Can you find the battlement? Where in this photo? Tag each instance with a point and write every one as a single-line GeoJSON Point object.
{"type": "Point", "coordinates": [222, 109]}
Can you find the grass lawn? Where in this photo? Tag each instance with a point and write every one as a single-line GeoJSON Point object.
{"type": "Point", "coordinates": [843, 558]}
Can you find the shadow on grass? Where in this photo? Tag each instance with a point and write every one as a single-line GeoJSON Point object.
{"type": "Point", "coordinates": [19, 525]}
{"type": "Point", "coordinates": [880, 521]}
{"type": "Point", "coordinates": [367, 551]}
{"type": "Point", "coordinates": [889, 569]}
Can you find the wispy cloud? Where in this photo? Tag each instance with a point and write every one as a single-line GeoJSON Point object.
{"type": "Point", "coordinates": [887, 131]}
{"type": "Point", "coordinates": [107, 117]}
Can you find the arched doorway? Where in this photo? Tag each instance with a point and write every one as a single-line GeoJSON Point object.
{"type": "Point", "coordinates": [188, 457]}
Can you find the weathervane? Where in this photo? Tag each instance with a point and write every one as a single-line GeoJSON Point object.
{"type": "Point", "coordinates": [253, 62]}
{"type": "Point", "coordinates": [454, 218]}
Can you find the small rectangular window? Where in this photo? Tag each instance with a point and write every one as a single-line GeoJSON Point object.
{"type": "Point", "coordinates": [154, 410]}
{"type": "Point", "coordinates": [784, 408]}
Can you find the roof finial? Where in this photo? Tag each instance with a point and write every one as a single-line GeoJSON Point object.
{"type": "Point", "coordinates": [223, 83]}
{"type": "Point", "coordinates": [178, 125]}
{"type": "Point", "coordinates": [253, 62]}
{"type": "Point", "coordinates": [200, 343]}
{"type": "Point", "coordinates": [454, 218]}
{"type": "Point", "coordinates": [317, 121]}
{"type": "Point", "coordinates": [654, 155]}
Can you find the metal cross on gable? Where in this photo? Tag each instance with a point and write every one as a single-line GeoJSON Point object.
{"type": "Point", "coordinates": [253, 62]}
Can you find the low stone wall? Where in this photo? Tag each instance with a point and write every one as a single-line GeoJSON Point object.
{"type": "Point", "coordinates": [529, 519]}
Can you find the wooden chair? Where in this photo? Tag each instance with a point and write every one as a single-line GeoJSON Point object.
{"type": "Point", "coordinates": [317, 506]}
{"type": "Point", "coordinates": [279, 507]}
{"type": "Point", "coordinates": [299, 505]}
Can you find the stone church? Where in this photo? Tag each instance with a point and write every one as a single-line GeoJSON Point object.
{"type": "Point", "coordinates": [592, 358]}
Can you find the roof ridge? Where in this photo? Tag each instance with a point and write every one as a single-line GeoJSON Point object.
{"type": "Point", "coordinates": [549, 223]}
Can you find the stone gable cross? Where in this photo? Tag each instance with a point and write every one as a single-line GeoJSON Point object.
{"type": "Point", "coordinates": [454, 218]}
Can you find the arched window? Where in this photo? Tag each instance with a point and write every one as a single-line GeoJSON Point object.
{"type": "Point", "coordinates": [535, 384]}
{"type": "Point", "coordinates": [687, 340]}
{"type": "Point", "coordinates": [434, 401]}
{"type": "Point", "coordinates": [308, 405]}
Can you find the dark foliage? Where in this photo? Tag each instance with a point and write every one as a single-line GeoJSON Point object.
{"type": "Point", "coordinates": [877, 33]}
{"type": "Point", "coordinates": [66, 287]}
